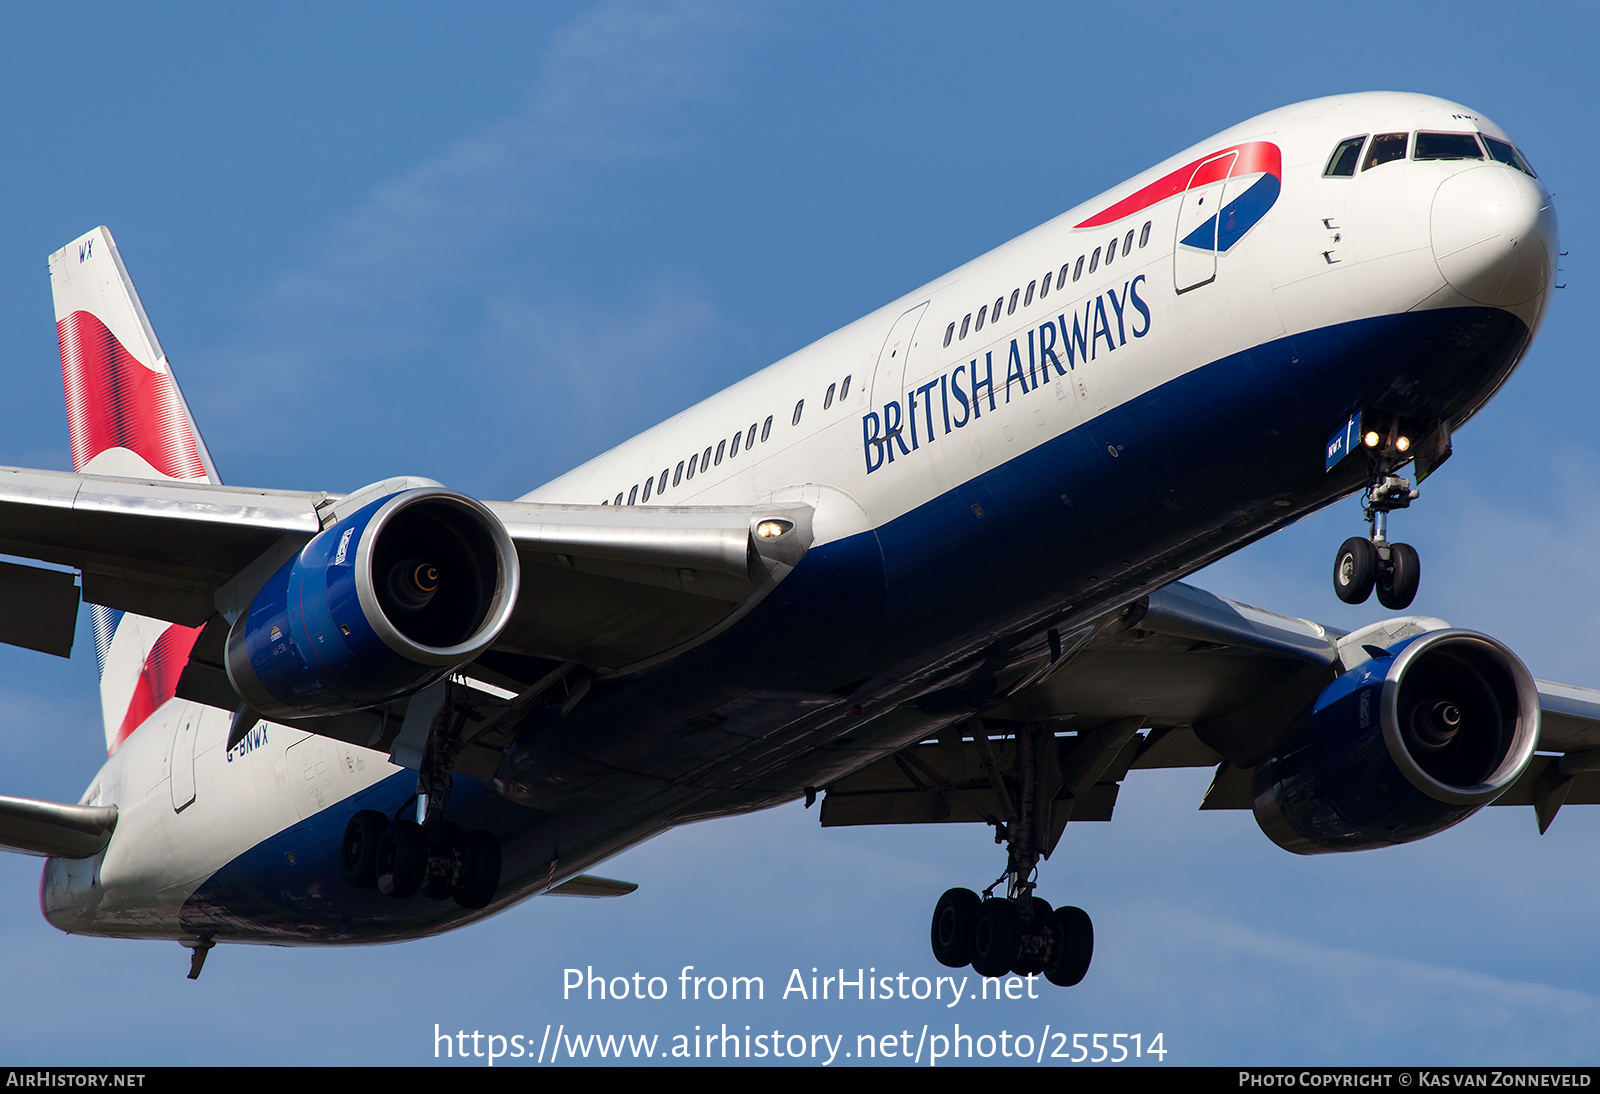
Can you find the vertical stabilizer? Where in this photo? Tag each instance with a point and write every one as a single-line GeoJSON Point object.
{"type": "Point", "coordinates": [126, 417]}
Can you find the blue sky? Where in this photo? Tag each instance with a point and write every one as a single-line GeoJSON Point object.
{"type": "Point", "coordinates": [483, 247]}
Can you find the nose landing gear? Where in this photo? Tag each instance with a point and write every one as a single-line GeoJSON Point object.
{"type": "Point", "coordinates": [1362, 565]}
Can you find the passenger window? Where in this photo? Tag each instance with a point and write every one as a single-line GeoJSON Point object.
{"type": "Point", "coordinates": [1342, 164]}
{"type": "Point", "coordinates": [1111, 251]}
{"type": "Point", "coordinates": [983, 311]}
{"type": "Point", "coordinates": [1028, 298]}
{"type": "Point", "coordinates": [1077, 271]}
{"type": "Point", "coordinates": [844, 390]}
{"type": "Point", "coordinates": [1501, 152]}
{"type": "Point", "coordinates": [1094, 260]}
{"type": "Point", "coordinates": [694, 461]}
{"type": "Point", "coordinates": [1061, 278]}
{"type": "Point", "coordinates": [633, 495]}
{"type": "Point", "coordinates": [1446, 146]}
{"type": "Point", "coordinates": [827, 400]}
{"type": "Point", "coordinates": [950, 332]}
{"type": "Point", "coordinates": [964, 323]}
{"type": "Point", "coordinates": [1127, 242]}
{"type": "Point", "coordinates": [721, 447]}
{"type": "Point", "coordinates": [606, 502]}
{"type": "Point", "coordinates": [995, 315]}
{"type": "Point", "coordinates": [1144, 234]}
{"type": "Point", "coordinates": [705, 458]}
{"type": "Point", "coordinates": [619, 499]}
{"type": "Point", "coordinates": [733, 446]}
{"type": "Point", "coordinates": [648, 483]}
{"type": "Point", "coordinates": [1015, 294]}
{"type": "Point", "coordinates": [1044, 286]}
{"type": "Point", "coordinates": [1384, 148]}
{"type": "Point", "coordinates": [798, 407]}
{"type": "Point", "coordinates": [677, 476]}
{"type": "Point", "coordinates": [766, 429]}
{"type": "Point", "coordinates": [750, 438]}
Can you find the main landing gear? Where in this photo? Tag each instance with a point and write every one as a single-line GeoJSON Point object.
{"type": "Point", "coordinates": [401, 857]}
{"type": "Point", "coordinates": [1018, 933]}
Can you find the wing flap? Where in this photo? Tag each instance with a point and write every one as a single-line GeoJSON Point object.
{"type": "Point", "coordinates": [38, 608]}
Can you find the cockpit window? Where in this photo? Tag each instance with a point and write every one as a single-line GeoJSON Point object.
{"type": "Point", "coordinates": [1446, 146]}
{"type": "Point", "coordinates": [1385, 147]}
{"type": "Point", "coordinates": [1342, 164]}
{"type": "Point", "coordinates": [1502, 152]}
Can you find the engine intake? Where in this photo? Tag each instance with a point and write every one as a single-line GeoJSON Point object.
{"type": "Point", "coordinates": [400, 593]}
{"type": "Point", "coordinates": [1401, 747]}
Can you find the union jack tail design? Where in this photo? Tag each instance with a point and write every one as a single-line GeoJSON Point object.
{"type": "Point", "coordinates": [126, 417]}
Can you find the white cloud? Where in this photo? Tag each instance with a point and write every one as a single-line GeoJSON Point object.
{"type": "Point", "coordinates": [387, 281]}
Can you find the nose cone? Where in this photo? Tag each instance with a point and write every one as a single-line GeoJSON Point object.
{"type": "Point", "coordinates": [1494, 235]}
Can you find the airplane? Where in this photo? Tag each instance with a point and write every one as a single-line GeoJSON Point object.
{"type": "Point", "coordinates": [927, 569]}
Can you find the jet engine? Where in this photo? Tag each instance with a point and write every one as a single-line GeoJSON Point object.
{"type": "Point", "coordinates": [390, 599]}
{"type": "Point", "coordinates": [1405, 745]}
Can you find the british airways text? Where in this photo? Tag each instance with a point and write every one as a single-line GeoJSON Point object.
{"type": "Point", "coordinates": [1109, 317]}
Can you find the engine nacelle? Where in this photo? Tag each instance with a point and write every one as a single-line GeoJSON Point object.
{"type": "Point", "coordinates": [1401, 747]}
{"type": "Point", "coordinates": [395, 596]}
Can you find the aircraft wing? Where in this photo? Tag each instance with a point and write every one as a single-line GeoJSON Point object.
{"type": "Point", "coordinates": [602, 588]}
{"type": "Point", "coordinates": [1181, 679]}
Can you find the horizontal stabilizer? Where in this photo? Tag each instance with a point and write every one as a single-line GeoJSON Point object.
{"type": "Point", "coordinates": [55, 829]}
{"type": "Point", "coordinates": [589, 885]}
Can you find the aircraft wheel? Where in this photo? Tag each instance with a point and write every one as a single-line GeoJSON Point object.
{"type": "Point", "coordinates": [951, 933]}
{"type": "Point", "coordinates": [402, 859]}
{"type": "Point", "coordinates": [996, 937]}
{"type": "Point", "coordinates": [1397, 585]}
{"type": "Point", "coordinates": [1076, 933]}
{"type": "Point", "coordinates": [358, 855]}
{"type": "Point", "coordinates": [480, 870]}
{"type": "Point", "coordinates": [1355, 570]}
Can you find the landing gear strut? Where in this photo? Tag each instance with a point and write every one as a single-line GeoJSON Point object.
{"type": "Point", "coordinates": [1362, 565]}
{"type": "Point", "coordinates": [1019, 932]}
{"type": "Point", "coordinates": [401, 857]}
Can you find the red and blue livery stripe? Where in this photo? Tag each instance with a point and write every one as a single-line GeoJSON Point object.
{"type": "Point", "coordinates": [1223, 230]}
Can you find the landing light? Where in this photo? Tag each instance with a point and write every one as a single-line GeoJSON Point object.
{"type": "Point", "coordinates": [1371, 439]}
{"type": "Point", "coordinates": [772, 529]}
{"type": "Point", "coordinates": [1402, 443]}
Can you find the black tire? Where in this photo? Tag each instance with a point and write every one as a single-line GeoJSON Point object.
{"type": "Point", "coordinates": [1397, 585]}
{"type": "Point", "coordinates": [996, 937]}
{"type": "Point", "coordinates": [358, 855]}
{"type": "Point", "coordinates": [1076, 932]}
{"type": "Point", "coordinates": [402, 859]}
{"type": "Point", "coordinates": [480, 870]}
{"type": "Point", "coordinates": [1355, 570]}
{"type": "Point", "coordinates": [951, 932]}
{"type": "Point", "coordinates": [444, 854]}
{"type": "Point", "coordinates": [1033, 964]}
